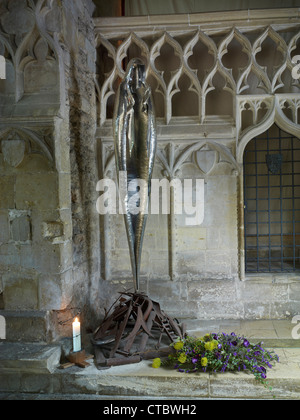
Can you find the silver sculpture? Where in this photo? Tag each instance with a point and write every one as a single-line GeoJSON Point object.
{"type": "Point", "coordinates": [135, 146]}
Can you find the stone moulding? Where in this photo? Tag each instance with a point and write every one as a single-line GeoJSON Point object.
{"type": "Point", "coordinates": [211, 22]}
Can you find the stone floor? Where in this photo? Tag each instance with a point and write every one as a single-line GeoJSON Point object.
{"type": "Point", "coordinates": [31, 371]}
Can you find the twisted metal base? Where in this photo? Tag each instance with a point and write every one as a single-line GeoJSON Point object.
{"type": "Point", "coordinates": [123, 335]}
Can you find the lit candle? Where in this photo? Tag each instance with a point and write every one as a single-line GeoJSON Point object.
{"type": "Point", "coordinates": [76, 335]}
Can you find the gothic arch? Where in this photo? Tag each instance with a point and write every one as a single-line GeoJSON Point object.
{"type": "Point", "coordinates": [275, 115]}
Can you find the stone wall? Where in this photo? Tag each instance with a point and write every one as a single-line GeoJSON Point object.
{"type": "Point", "coordinates": [48, 172]}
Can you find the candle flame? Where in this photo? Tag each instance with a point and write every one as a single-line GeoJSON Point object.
{"type": "Point", "coordinates": [76, 320]}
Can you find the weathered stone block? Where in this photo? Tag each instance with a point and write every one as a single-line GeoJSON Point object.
{"type": "Point", "coordinates": [20, 226]}
{"type": "Point", "coordinates": [36, 163]}
{"type": "Point", "coordinates": [294, 292]}
{"type": "Point", "coordinates": [218, 264]}
{"type": "Point", "coordinates": [158, 267]}
{"type": "Point", "coordinates": [30, 358]}
{"type": "Point", "coordinates": [159, 290]}
{"type": "Point", "coordinates": [190, 238]}
{"type": "Point", "coordinates": [36, 191]}
{"type": "Point", "coordinates": [9, 254]}
{"type": "Point", "coordinates": [64, 190]}
{"type": "Point", "coordinates": [192, 262]}
{"type": "Point", "coordinates": [20, 292]}
{"type": "Point", "coordinates": [281, 310]}
{"type": "Point", "coordinates": [257, 309]}
{"type": "Point", "coordinates": [221, 310]}
{"type": "Point", "coordinates": [4, 227]}
{"type": "Point", "coordinates": [52, 258]}
{"type": "Point", "coordinates": [252, 291]}
{"type": "Point", "coordinates": [55, 291]}
{"type": "Point", "coordinates": [7, 192]}
{"type": "Point", "coordinates": [27, 326]}
{"type": "Point", "coordinates": [53, 230]}
{"type": "Point", "coordinates": [212, 290]}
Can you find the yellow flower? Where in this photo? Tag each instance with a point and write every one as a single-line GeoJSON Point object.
{"type": "Point", "coordinates": [209, 346]}
{"type": "Point", "coordinates": [204, 361]}
{"type": "Point", "coordinates": [178, 345]}
{"type": "Point", "coordinates": [215, 343]}
{"type": "Point", "coordinates": [156, 363]}
{"type": "Point", "coordinates": [182, 358]}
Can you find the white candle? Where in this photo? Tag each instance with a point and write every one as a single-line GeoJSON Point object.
{"type": "Point", "coordinates": [76, 335]}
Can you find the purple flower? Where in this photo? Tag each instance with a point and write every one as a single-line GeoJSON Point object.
{"type": "Point", "coordinates": [246, 343]}
{"type": "Point", "coordinates": [194, 360]}
{"type": "Point", "coordinates": [234, 343]}
{"type": "Point", "coordinates": [269, 364]}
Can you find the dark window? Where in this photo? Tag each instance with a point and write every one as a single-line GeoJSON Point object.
{"type": "Point", "coordinates": [272, 202]}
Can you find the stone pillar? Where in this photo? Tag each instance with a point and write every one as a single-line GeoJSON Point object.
{"type": "Point", "coordinates": [49, 244]}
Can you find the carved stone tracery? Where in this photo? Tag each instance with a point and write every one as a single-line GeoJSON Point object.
{"type": "Point", "coordinates": [249, 76]}
{"type": "Point", "coordinates": [31, 49]}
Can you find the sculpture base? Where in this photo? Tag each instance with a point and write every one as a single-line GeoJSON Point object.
{"type": "Point", "coordinates": [123, 335]}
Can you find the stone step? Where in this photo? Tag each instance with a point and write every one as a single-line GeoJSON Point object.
{"type": "Point", "coordinates": [32, 370]}
{"type": "Point", "coordinates": [29, 357]}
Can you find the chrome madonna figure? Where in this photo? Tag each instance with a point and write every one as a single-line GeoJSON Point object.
{"type": "Point", "coordinates": [135, 147]}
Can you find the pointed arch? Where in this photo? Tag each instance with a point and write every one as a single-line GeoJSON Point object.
{"type": "Point", "coordinates": [275, 115]}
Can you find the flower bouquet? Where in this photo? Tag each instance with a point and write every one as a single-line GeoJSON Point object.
{"type": "Point", "coordinates": [220, 353]}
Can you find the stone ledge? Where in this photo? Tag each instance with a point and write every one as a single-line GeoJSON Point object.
{"type": "Point", "coordinates": [24, 358]}
{"type": "Point", "coordinates": [141, 380]}
{"type": "Point", "coordinates": [30, 370]}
